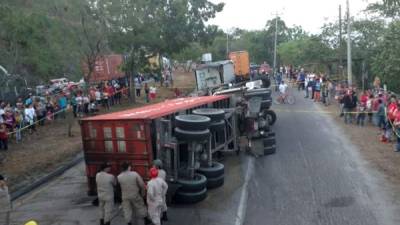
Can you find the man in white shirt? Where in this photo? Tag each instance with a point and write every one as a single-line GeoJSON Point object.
{"type": "Point", "coordinates": [282, 91]}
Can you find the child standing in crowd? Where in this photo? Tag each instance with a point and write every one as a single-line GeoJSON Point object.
{"type": "Point", "coordinates": [19, 120]}
{"type": "Point", "coordinates": [3, 137]}
{"type": "Point", "coordinates": [361, 109]}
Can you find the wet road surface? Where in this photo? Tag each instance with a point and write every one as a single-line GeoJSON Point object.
{"type": "Point", "coordinates": [316, 177]}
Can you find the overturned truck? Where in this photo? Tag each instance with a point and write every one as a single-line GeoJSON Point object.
{"type": "Point", "coordinates": [186, 134]}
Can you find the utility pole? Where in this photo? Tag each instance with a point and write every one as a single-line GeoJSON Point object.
{"type": "Point", "coordinates": [340, 66]}
{"type": "Point", "coordinates": [349, 71]}
{"type": "Point", "coordinates": [227, 44]}
{"type": "Point", "coordinates": [276, 40]}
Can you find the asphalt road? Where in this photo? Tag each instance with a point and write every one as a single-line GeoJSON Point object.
{"type": "Point", "coordinates": [316, 177]}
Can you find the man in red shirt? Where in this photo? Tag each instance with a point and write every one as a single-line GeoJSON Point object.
{"type": "Point", "coordinates": [364, 98]}
{"type": "Point", "coordinates": [396, 124]}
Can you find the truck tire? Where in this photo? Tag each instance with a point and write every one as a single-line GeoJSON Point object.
{"type": "Point", "coordinates": [192, 122]}
{"type": "Point", "coordinates": [270, 116]}
{"type": "Point", "coordinates": [197, 184]}
{"type": "Point", "coordinates": [269, 150]}
{"type": "Point", "coordinates": [184, 135]}
{"type": "Point", "coordinates": [190, 197]}
{"type": "Point", "coordinates": [214, 114]}
{"type": "Point", "coordinates": [215, 182]}
{"type": "Point", "coordinates": [217, 126]}
{"type": "Point", "coordinates": [266, 104]}
{"type": "Point", "coordinates": [269, 141]}
{"type": "Point", "coordinates": [271, 134]}
{"type": "Point", "coordinates": [216, 170]}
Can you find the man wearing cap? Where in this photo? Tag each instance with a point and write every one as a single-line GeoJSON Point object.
{"type": "Point", "coordinates": [5, 202]}
{"type": "Point", "coordinates": [156, 189]}
{"type": "Point", "coordinates": [163, 175]}
{"type": "Point", "coordinates": [105, 192]}
{"type": "Point", "coordinates": [133, 192]}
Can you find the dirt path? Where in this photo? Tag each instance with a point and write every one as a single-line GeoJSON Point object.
{"type": "Point", "coordinates": [381, 156]}
{"type": "Point", "coordinates": [50, 147]}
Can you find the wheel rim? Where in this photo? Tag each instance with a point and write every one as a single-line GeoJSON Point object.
{"type": "Point", "coordinates": [290, 100]}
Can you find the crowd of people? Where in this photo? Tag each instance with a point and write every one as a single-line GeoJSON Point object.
{"type": "Point", "coordinates": [374, 106]}
{"type": "Point", "coordinates": [27, 114]}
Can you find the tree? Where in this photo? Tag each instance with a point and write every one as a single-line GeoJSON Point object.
{"type": "Point", "coordinates": [387, 60]}
{"type": "Point", "coordinates": [387, 8]}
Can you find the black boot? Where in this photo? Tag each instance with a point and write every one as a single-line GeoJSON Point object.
{"type": "Point", "coordinates": [108, 223]}
{"type": "Point", "coordinates": [101, 222]}
{"type": "Point", "coordinates": [129, 223]}
{"type": "Point", "coordinates": [164, 216]}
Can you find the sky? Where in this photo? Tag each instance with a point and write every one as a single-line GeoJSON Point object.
{"type": "Point", "coordinates": [310, 14]}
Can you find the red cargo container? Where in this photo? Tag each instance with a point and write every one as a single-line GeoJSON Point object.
{"type": "Point", "coordinates": [130, 136]}
{"type": "Point", "coordinates": [107, 67]}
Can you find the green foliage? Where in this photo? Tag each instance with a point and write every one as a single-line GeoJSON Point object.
{"type": "Point", "coordinates": [386, 63]}
{"type": "Point", "coordinates": [387, 8]}
{"type": "Point", "coordinates": [309, 51]}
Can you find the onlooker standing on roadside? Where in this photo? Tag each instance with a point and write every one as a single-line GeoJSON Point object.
{"type": "Point", "coordinates": [347, 108]}
{"type": "Point", "coordinates": [396, 124]}
{"type": "Point", "coordinates": [19, 123]}
{"type": "Point", "coordinates": [5, 202]}
{"type": "Point", "coordinates": [392, 108]}
{"type": "Point", "coordinates": [369, 107]}
{"type": "Point", "coordinates": [3, 137]}
{"type": "Point", "coordinates": [147, 92]}
{"type": "Point", "coordinates": [301, 79]}
{"type": "Point", "coordinates": [138, 87]}
{"type": "Point", "coordinates": [317, 90]}
{"type": "Point", "coordinates": [97, 95]}
{"type": "Point", "coordinates": [30, 116]}
{"type": "Point", "coordinates": [62, 102]}
{"type": "Point", "coordinates": [381, 115]}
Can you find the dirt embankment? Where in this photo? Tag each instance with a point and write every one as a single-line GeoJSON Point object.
{"type": "Point", "coordinates": [50, 147]}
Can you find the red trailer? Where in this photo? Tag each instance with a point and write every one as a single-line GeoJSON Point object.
{"type": "Point", "coordinates": [138, 136]}
{"type": "Point", "coordinates": [107, 67]}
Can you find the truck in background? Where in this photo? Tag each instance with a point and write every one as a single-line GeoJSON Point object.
{"type": "Point", "coordinates": [108, 67]}
{"type": "Point", "coordinates": [241, 62]}
{"type": "Point", "coordinates": [214, 74]}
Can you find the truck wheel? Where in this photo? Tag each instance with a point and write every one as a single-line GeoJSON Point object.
{"type": "Point", "coordinates": [215, 182]}
{"type": "Point", "coordinates": [266, 82]}
{"type": "Point", "coordinates": [270, 116]}
{"type": "Point", "coordinates": [197, 184]}
{"type": "Point", "coordinates": [266, 104]}
{"type": "Point", "coordinates": [269, 141]}
{"type": "Point", "coordinates": [192, 122]}
{"type": "Point", "coordinates": [269, 150]}
{"type": "Point", "coordinates": [216, 170]}
{"type": "Point", "coordinates": [214, 114]}
{"type": "Point", "coordinates": [185, 135]}
{"type": "Point", "coordinates": [190, 197]}
{"type": "Point", "coordinates": [271, 134]}
{"type": "Point", "coordinates": [217, 126]}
